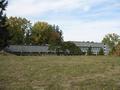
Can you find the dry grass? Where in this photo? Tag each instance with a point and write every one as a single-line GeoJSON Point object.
{"type": "Point", "coordinates": [59, 73]}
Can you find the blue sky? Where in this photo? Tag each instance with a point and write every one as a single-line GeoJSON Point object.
{"type": "Point", "coordinates": [80, 20]}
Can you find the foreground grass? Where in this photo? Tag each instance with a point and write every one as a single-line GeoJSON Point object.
{"type": "Point", "coordinates": [59, 73]}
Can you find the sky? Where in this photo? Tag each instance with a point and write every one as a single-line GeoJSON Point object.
{"type": "Point", "coordinates": [80, 20]}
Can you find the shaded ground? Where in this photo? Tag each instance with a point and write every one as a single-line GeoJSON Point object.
{"type": "Point", "coordinates": [59, 73]}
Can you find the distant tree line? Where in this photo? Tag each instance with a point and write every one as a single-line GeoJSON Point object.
{"type": "Point", "coordinates": [22, 32]}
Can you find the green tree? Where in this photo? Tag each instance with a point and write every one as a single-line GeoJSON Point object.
{"type": "Point", "coordinates": [71, 48]}
{"type": "Point", "coordinates": [19, 29]}
{"type": "Point", "coordinates": [101, 51]}
{"type": "Point", "coordinates": [4, 35]}
{"type": "Point", "coordinates": [89, 51]}
{"type": "Point", "coordinates": [56, 35]}
{"type": "Point", "coordinates": [66, 48]}
{"type": "Point", "coordinates": [40, 33]}
{"type": "Point", "coordinates": [44, 33]}
{"type": "Point", "coordinates": [111, 40]}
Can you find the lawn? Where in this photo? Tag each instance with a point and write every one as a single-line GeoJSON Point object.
{"type": "Point", "coordinates": [59, 73]}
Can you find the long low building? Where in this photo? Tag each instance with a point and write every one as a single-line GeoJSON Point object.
{"type": "Point", "coordinates": [95, 47]}
{"type": "Point", "coordinates": [24, 49]}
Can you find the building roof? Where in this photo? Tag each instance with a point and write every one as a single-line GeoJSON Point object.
{"type": "Point", "coordinates": [88, 44]}
{"type": "Point", "coordinates": [22, 48]}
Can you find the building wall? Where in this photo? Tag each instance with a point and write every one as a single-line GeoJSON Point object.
{"type": "Point", "coordinates": [95, 47]}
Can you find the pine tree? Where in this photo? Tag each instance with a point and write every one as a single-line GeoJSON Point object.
{"type": "Point", "coordinates": [3, 27]}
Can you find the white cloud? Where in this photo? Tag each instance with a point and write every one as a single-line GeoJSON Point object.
{"type": "Point", "coordinates": [34, 7]}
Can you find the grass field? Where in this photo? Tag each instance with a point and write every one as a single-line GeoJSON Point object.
{"type": "Point", "coordinates": [59, 73]}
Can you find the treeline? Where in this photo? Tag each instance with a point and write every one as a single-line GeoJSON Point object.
{"type": "Point", "coordinates": [22, 32]}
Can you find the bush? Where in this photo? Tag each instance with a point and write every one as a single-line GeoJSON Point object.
{"type": "Point", "coordinates": [89, 51]}
{"type": "Point", "coordinates": [101, 52]}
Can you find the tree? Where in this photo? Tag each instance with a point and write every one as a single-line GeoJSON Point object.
{"type": "Point", "coordinates": [89, 51]}
{"type": "Point", "coordinates": [111, 40]}
{"type": "Point", "coordinates": [117, 50]}
{"type": "Point", "coordinates": [66, 48]}
{"type": "Point", "coordinates": [58, 35]}
{"type": "Point", "coordinates": [4, 35]}
{"type": "Point", "coordinates": [101, 51]}
{"type": "Point", "coordinates": [19, 29]}
{"type": "Point", "coordinates": [44, 33]}
{"type": "Point", "coordinates": [40, 32]}
{"type": "Point", "coordinates": [70, 48]}
{"type": "Point", "coordinates": [55, 36]}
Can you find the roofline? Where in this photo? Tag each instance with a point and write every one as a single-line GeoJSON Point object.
{"type": "Point", "coordinates": [86, 42]}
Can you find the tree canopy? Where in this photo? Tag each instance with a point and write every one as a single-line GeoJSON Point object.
{"type": "Point", "coordinates": [44, 33]}
{"type": "Point", "coordinates": [71, 48]}
{"type": "Point", "coordinates": [4, 35]}
{"type": "Point", "coordinates": [22, 32]}
{"type": "Point", "coordinates": [67, 48]}
{"type": "Point", "coordinates": [18, 29]}
{"type": "Point", "coordinates": [111, 40]}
